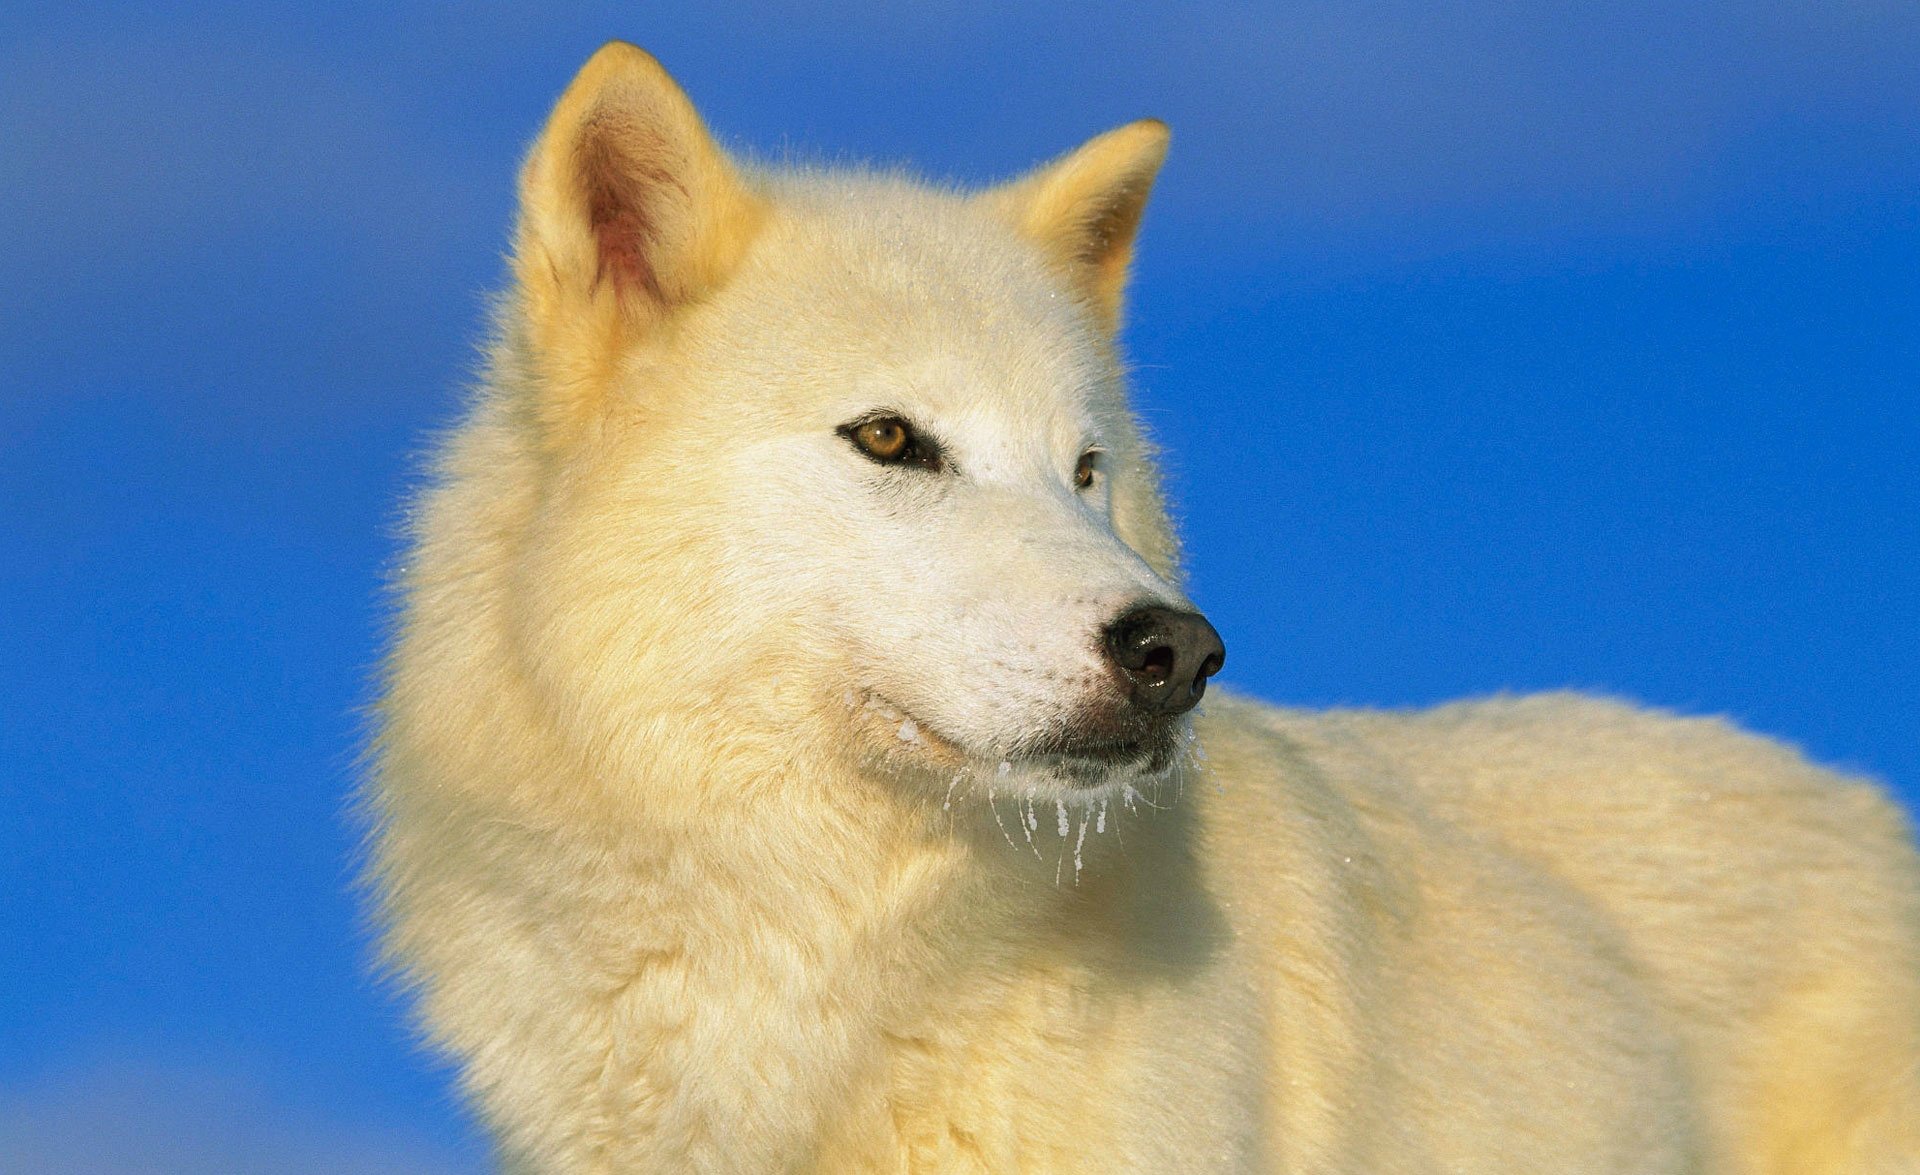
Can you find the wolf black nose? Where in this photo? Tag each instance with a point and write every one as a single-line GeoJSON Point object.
{"type": "Point", "coordinates": [1165, 657]}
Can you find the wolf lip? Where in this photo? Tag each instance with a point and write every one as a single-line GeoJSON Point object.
{"type": "Point", "coordinates": [1084, 756]}
{"type": "Point", "coordinates": [1113, 753]}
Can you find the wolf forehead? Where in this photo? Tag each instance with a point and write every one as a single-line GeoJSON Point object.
{"type": "Point", "coordinates": [879, 288]}
{"type": "Point", "coordinates": [884, 240]}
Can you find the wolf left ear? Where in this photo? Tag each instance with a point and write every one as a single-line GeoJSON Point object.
{"type": "Point", "coordinates": [1084, 209]}
{"type": "Point", "coordinates": [628, 212]}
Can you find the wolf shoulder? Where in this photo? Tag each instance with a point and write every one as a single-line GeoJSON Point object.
{"type": "Point", "coordinates": [1714, 943]}
{"type": "Point", "coordinates": [1561, 764]}
{"type": "Point", "coordinates": [1666, 823]}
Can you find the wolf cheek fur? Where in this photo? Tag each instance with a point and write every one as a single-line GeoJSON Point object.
{"type": "Point", "coordinates": [743, 802]}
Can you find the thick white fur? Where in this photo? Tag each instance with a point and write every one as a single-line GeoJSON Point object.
{"type": "Point", "coordinates": [693, 835]}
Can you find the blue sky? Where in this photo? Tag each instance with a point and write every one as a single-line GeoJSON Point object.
{"type": "Point", "coordinates": [1494, 346]}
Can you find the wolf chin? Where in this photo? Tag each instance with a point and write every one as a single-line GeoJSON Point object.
{"type": "Point", "coordinates": [789, 757]}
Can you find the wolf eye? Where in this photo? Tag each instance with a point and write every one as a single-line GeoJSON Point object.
{"type": "Point", "coordinates": [1084, 471]}
{"type": "Point", "coordinates": [890, 440]}
{"type": "Point", "coordinates": [885, 439]}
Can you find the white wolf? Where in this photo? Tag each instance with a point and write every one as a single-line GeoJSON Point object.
{"type": "Point", "coordinates": [788, 760]}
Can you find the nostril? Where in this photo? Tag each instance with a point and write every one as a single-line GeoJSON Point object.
{"type": "Point", "coordinates": [1211, 666]}
{"type": "Point", "coordinates": [1158, 665]}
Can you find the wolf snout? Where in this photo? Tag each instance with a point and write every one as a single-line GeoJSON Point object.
{"type": "Point", "coordinates": [1164, 657]}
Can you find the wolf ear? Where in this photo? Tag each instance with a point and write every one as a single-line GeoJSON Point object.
{"type": "Point", "coordinates": [628, 212]}
{"type": "Point", "coordinates": [1084, 208]}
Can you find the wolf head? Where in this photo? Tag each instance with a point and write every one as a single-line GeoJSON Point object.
{"type": "Point", "coordinates": [839, 451]}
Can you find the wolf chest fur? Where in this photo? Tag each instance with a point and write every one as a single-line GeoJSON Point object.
{"type": "Point", "coordinates": [789, 760]}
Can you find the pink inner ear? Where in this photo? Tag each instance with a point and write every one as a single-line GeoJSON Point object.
{"type": "Point", "coordinates": [627, 184]}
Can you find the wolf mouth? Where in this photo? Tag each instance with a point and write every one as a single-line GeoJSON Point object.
{"type": "Point", "coordinates": [1152, 747]}
{"type": "Point", "coordinates": [1083, 762]}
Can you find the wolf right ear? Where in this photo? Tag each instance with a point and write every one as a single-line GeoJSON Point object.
{"type": "Point", "coordinates": [1084, 208]}
{"type": "Point", "coordinates": [628, 211]}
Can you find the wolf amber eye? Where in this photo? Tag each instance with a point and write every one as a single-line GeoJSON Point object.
{"type": "Point", "coordinates": [890, 440]}
{"type": "Point", "coordinates": [1083, 472]}
{"type": "Point", "coordinates": [884, 440]}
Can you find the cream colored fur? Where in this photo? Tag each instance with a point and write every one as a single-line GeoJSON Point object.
{"type": "Point", "coordinates": [692, 828]}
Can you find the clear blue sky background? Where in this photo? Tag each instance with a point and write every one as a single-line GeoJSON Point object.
{"type": "Point", "coordinates": [1495, 346]}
